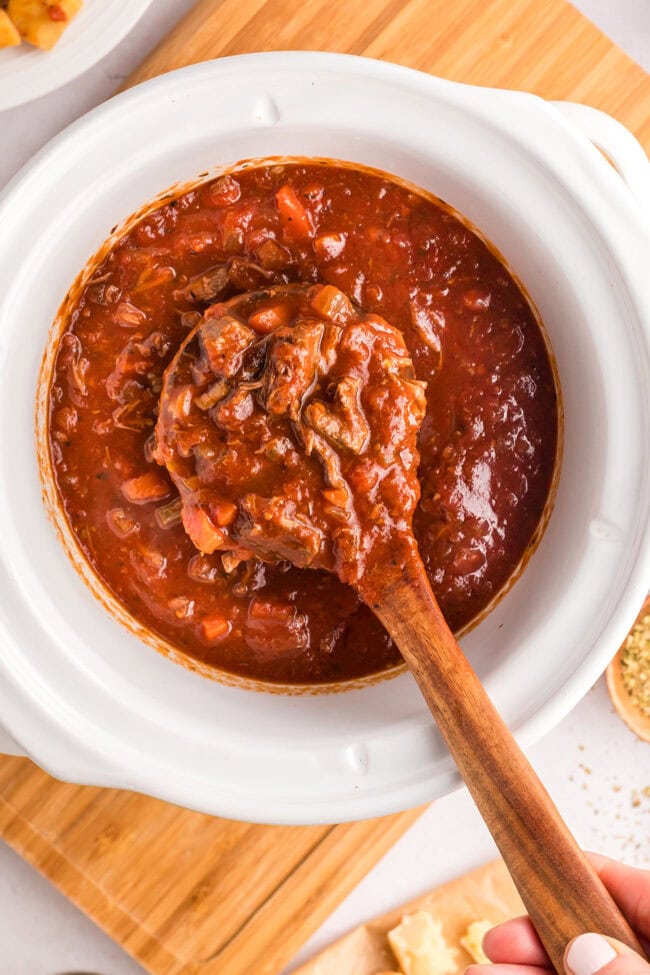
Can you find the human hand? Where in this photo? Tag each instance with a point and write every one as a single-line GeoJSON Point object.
{"type": "Point", "coordinates": [515, 948]}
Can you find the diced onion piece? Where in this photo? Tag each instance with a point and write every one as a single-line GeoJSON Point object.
{"type": "Point", "coordinates": [295, 219]}
{"type": "Point", "coordinates": [120, 522]}
{"type": "Point", "coordinates": [213, 395]}
{"type": "Point", "coordinates": [182, 606]}
{"type": "Point", "coordinates": [224, 192]}
{"type": "Point", "coordinates": [269, 318]}
{"type": "Point", "coordinates": [150, 448]}
{"type": "Point", "coordinates": [215, 627]}
{"type": "Point", "coordinates": [477, 299]}
{"type": "Point", "coordinates": [146, 488]}
{"type": "Point", "coordinates": [329, 245]}
{"type": "Point", "coordinates": [152, 277]}
{"type": "Point", "coordinates": [201, 569]}
{"type": "Point", "coordinates": [230, 562]}
{"type": "Point", "coordinates": [332, 304]}
{"type": "Point", "coordinates": [128, 316]}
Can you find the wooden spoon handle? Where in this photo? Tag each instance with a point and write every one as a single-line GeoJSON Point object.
{"type": "Point", "coordinates": [562, 893]}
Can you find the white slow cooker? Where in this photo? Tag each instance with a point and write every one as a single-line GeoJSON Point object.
{"type": "Point", "coordinates": [84, 696]}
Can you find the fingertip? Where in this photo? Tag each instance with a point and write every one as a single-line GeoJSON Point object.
{"type": "Point", "coordinates": [588, 953]}
{"type": "Point", "coordinates": [515, 942]}
{"type": "Point", "coordinates": [492, 941]}
{"type": "Point", "coordinates": [508, 969]}
{"type": "Point", "coordinates": [477, 969]}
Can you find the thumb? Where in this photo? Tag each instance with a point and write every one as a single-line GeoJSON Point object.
{"type": "Point", "coordinates": [591, 953]}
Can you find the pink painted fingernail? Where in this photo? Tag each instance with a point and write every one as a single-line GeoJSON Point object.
{"type": "Point", "coordinates": [588, 953]}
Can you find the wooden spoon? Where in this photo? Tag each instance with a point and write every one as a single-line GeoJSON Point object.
{"type": "Point", "coordinates": [335, 383]}
{"type": "Point", "coordinates": [562, 893]}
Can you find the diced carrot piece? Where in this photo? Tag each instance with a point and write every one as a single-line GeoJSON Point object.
{"type": "Point", "coordinates": [295, 219]}
{"type": "Point", "coordinates": [332, 304]}
{"type": "Point", "coordinates": [336, 496]}
{"type": "Point", "coordinates": [204, 533]}
{"type": "Point", "coordinates": [329, 245]}
{"type": "Point", "coordinates": [269, 609]}
{"type": "Point", "coordinates": [223, 512]}
{"type": "Point", "coordinates": [215, 627]}
{"type": "Point", "coordinates": [148, 487]}
{"type": "Point", "coordinates": [269, 318]}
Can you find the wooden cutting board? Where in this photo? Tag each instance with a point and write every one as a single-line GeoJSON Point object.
{"type": "Point", "coordinates": [183, 893]}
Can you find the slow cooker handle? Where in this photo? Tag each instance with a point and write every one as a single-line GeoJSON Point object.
{"type": "Point", "coordinates": [617, 143]}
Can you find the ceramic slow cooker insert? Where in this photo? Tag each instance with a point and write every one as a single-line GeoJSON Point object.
{"type": "Point", "coordinates": [80, 693]}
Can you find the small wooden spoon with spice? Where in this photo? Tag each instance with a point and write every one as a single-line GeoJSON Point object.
{"type": "Point", "coordinates": [289, 421]}
{"type": "Point", "coordinates": [628, 676]}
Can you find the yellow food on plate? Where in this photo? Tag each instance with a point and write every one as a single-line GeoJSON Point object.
{"type": "Point", "coordinates": [41, 22]}
{"type": "Point", "coordinates": [472, 940]}
{"type": "Point", "coordinates": [420, 948]}
{"type": "Point", "coordinates": [9, 36]}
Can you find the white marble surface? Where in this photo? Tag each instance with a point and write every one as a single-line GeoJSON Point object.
{"type": "Point", "coordinates": [593, 767]}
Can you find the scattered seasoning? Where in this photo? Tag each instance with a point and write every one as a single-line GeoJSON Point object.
{"type": "Point", "coordinates": [635, 665]}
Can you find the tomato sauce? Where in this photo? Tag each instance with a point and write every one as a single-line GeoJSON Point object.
{"type": "Point", "coordinates": [487, 444]}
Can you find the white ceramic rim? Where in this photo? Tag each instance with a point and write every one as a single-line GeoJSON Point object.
{"type": "Point", "coordinates": [68, 752]}
{"type": "Point", "coordinates": [27, 73]}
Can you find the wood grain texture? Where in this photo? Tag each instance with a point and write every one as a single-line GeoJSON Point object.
{"type": "Point", "coordinates": [543, 46]}
{"type": "Point", "coordinates": [183, 893]}
{"type": "Point", "coordinates": [560, 888]}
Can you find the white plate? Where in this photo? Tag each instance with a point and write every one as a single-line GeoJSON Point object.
{"type": "Point", "coordinates": [27, 72]}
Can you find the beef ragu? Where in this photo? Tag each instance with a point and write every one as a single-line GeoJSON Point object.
{"type": "Point", "coordinates": [288, 423]}
{"type": "Point", "coordinates": [303, 317]}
